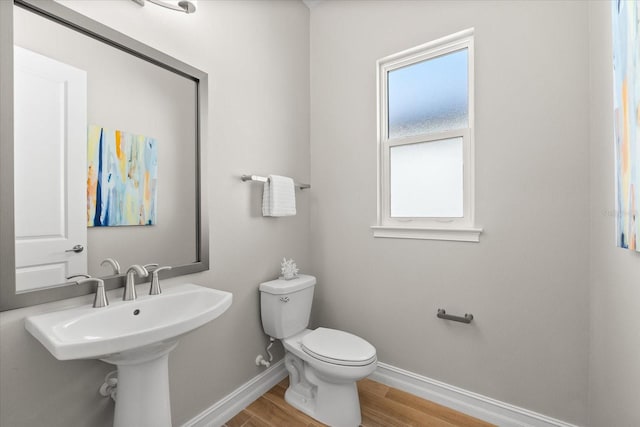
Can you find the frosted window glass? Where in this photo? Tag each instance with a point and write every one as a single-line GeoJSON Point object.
{"type": "Point", "coordinates": [426, 179]}
{"type": "Point", "coordinates": [429, 96]}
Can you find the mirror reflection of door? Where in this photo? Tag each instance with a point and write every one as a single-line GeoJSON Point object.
{"type": "Point", "coordinates": [50, 170]}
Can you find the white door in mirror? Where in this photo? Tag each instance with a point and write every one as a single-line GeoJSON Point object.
{"type": "Point", "coordinates": [50, 121]}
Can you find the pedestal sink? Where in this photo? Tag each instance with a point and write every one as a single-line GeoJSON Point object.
{"type": "Point", "coordinates": [137, 336]}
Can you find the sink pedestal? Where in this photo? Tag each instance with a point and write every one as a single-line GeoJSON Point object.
{"type": "Point", "coordinates": [142, 399]}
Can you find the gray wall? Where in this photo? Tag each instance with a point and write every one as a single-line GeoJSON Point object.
{"type": "Point", "coordinates": [257, 57]}
{"type": "Point", "coordinates": [615, 330]}
{"type": "Point", "coordinates": [526, 282]}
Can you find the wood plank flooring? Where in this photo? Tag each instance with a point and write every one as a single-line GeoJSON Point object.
{"type": "Point", "coordinates": [381, 406]}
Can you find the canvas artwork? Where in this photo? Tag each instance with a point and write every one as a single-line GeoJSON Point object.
{"type": "Point", "coordinates": [122, 178]}
{"type": "Point", "coordinates": [626, 69]}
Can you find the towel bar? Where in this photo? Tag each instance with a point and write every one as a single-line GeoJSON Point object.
{"type": "Point", "coordinates": [264, 179]}
{"type": "Point", "coordinates": [443, 315]}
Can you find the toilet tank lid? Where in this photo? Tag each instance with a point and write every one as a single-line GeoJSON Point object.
{"type": "Point", "coordinates": [281, 286]}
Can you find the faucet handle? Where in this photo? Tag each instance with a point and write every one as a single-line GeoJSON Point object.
{"type": "Point", "coordinates": [155, 281]}
{"type": "Point", "coordinates": [151, 267]}
{"type": "Point", "coordinates": [113, 263]}
{"type": "Point", "coordinates": [86, 276]}
{"type": "Point", "coordinates": [100, 300]}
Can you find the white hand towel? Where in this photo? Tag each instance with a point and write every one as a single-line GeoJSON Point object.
{"type": "Point", "coordinates": [279, 196]}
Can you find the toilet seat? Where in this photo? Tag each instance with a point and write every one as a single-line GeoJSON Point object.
{"type": "Point", "coordinates": [338, 347]}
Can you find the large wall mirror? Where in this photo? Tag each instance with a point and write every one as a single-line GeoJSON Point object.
{"type": "Point", "coordinates": [101, 155]}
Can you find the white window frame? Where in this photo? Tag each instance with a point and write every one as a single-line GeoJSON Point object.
{"type": "Point", "coordinates": [457, 229]}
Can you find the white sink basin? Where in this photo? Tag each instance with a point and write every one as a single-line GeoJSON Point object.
{"type": "Point", "coordinates": [94, 333]}
{"type": "Point", "coordinates": [137, 336]}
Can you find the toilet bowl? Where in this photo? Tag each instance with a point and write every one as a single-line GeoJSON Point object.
{"type": "Point", "coordinates": [323, 364]}
{"type": "Point", "coordinates": [321, 385]}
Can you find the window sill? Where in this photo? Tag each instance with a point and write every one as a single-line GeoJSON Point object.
{"type": "Point", "coordinates": [426, 233]}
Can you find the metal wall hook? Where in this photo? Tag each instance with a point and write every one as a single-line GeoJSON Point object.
{"type": "Point", "coordinates": [442, 314]}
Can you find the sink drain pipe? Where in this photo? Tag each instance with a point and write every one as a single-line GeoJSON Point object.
{"type": "Point", "coordinates": [260, 360]}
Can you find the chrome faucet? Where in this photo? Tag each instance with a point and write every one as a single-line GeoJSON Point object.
{"type": "Point", "coordinates": [113, 263]}
{"type": "Point", "coordinates": [130, 286]}
{"type": "Point", "coordinates": [100, 299]}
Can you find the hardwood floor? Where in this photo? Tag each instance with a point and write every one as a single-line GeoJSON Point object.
{"type": "Point", "coordinates": [381, 406]}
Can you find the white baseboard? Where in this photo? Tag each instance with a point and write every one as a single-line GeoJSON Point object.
{"type": "Point", "coordinates": [482, 407]}
{"type": "Point", "coordinates": [479, 406]}
{"type": "Point", "coordinates": [229, 406]}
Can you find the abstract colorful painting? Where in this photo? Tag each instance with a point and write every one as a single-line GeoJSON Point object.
{"type": "Point", "coordinates": [626, 70]}
{"type": "Point", "coordinates": [122, 178]}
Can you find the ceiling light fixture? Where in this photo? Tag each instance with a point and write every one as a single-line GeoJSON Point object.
{"type": "Point", "coordinates": [187, 6]}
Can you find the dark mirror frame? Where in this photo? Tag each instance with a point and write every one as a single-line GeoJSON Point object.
{"type": "Point", "coordinates": [9, 299]}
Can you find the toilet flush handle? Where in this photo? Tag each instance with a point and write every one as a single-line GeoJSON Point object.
{"type": "Point", "coordinates": [284, 299]}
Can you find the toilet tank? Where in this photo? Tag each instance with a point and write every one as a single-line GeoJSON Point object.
{"type": "Point", "coordinates": [285, 305]}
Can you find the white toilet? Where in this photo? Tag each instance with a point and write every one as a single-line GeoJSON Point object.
{"type": "Point", "coordinates": [323, 364]}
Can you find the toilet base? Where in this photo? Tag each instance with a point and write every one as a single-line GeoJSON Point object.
{"type": "Point", "coordinates": [342, 411]}
{"type": "Point", "coordinates": [333, 403]}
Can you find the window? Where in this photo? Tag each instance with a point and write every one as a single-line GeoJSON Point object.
{"type": "Point", "coordinates": [425, 139]}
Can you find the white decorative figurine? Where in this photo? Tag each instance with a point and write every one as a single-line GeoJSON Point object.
{"type": "Point", "coordinates": [289, 269]}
